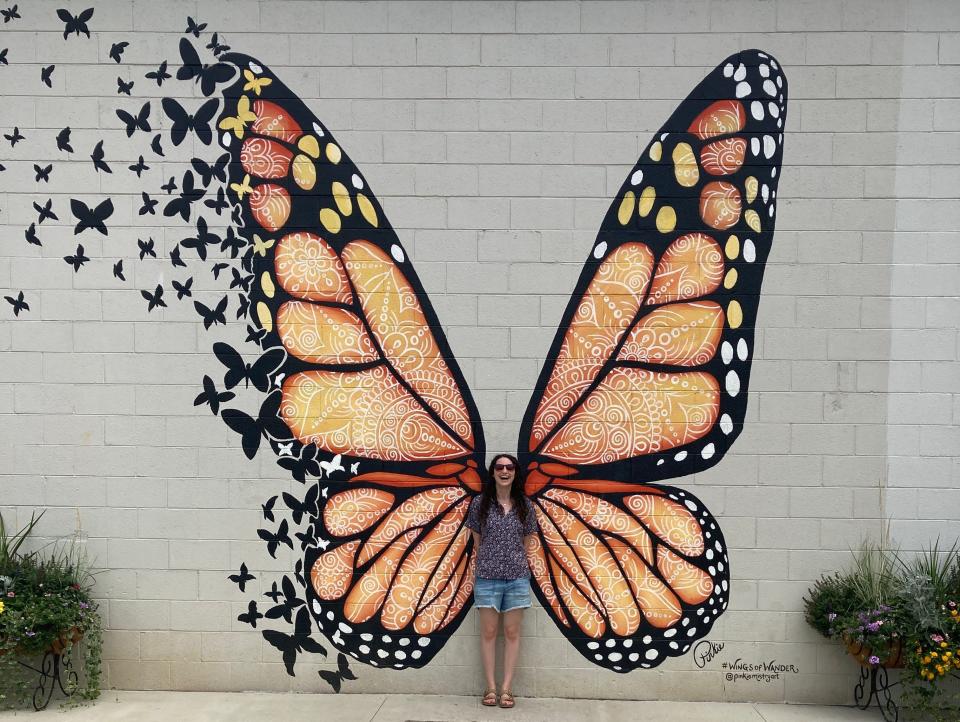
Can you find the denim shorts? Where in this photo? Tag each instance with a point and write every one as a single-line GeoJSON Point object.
{"type": "Point", "coordinates": [503, 595]}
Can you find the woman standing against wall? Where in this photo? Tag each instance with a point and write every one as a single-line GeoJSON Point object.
{"type": "Point", "coordinates": [502, 520]}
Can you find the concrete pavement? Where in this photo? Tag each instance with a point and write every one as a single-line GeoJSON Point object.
{"type": "Point", "coordinates": [117, 706]}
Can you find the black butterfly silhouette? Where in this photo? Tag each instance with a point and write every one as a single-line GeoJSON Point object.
{"type": "Point", "coordinates": [274, 593]}
{"type": "Point", "coordinates": [183, 289]}
{"type": "Point", "coordinates": [139, 167]}
{"type": "Point", "coordinates": [259, 373]}
{"type": "Point", "coordinates": [116, 50]}
{"type": "Point", "coordinates": [199, 122]}
{"type": "Point", "coordinates": [175, 258]}
{"type": "Point", "coordinates": [207, 75]}
{"type": "Point", "coordinates": [203, 239]}
{"type": "Point", "coordinates": [118, 270]}
{"type": "Point", "coordinates": [300, 466]}
{"type": "Point", "coordinates": [46, 211]}
{"type": "Point", "coordinates": [14, 137]}
{"type": "Point", "coordinates": [46, 75]}
{"type": "Point", "coordinates": [9, 14]}
{"type": "Point", "coordinates": [75, 23]}
{"type": "Point", "coordinates": [299, 641]}
{"type": "Point", "coordinates": [208, 172]}
{"type": "Point", "coordinates": [18, 303]}
{"type": "Point", "coordinates": [141, 120]}
{"type": "Point", "coordinates": [31, 235]}
{"type": "Point", "coordinates": [43, 174]}
{"type": "Point", "coordinates": [252, 430]}
{"type": "Point", "coordinates": [3, 56]}
{"type": "Point", "coordinates": [251, 615]}
{"type": "Point", "coordinates": [87, 218]}
{"type": "Point", "coordinates": [284, 609]}
{"type": "Point", "coordinates": [281, 536]}
{"type": "Point", "coordinates": [170, 186]}
{"type": "Point", "coordinates": [193, 28]}
{"type": "Point", "coordinates": [268, 515]}
{"type": "Point", "coordinates": [244, 576]}
{"type": "Point", "coordinates": [215, 45]}
{"type": "Point", "coordinates": [76, 260]}
{"type": "Point", "coordinates": [211, 317]}
{"type": "Point", "coordinates": [97, 158]}
{"type": "Point", "coordinates": [308, 507]}
{"type": "Point", "coordinates": [217, 267]}
{"type": "Point", "coordinates": [343, 673]}
{"type": "Point", "coordinates": [211, 396]}
{"type": "Point", "coordinates": [123, 87]}
{"type": "Point", "coordinates": [188, 196]}
{"type": "Point", "coordinates": [219, 203]}
{"type": "Point", "coordinates": [240, 281]}
{"type": "Point", "coordinates": [243, 306]}
{"type": "Point", "coordinates": [255, 335]}
{"type": "Point", "coordinates": [232, 242]}
{"type": "Point", "coordinates": [154, 299]}
{"type": "Point", "coordinates": [146, 248]}
{"type": "Point", "coordinates": [149, 205]}
{"type": "Point", "coordinates": [155, 145]}
{"type": "Point", "coordinates": [160, 74]}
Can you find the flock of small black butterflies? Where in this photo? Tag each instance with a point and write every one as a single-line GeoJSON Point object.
{"type": "Point", "coordinates": [182, 201]}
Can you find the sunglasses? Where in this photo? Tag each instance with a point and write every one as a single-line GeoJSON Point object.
{"type": "Point", "coordinates": [503, 467]}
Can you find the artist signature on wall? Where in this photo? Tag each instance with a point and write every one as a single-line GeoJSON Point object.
{"type": "Point", "coordinates": [739, 669]}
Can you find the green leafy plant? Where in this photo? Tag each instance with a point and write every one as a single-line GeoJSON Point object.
{"type": "Point", "coordinates": [897, 610]}
{"type": "Point", "coordinates": [46, 604]}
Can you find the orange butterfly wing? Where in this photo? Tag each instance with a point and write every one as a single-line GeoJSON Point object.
{"type": "Point", "coordinates": [368, 380]}
{"type": "Point", "coordinates": [647, 378]}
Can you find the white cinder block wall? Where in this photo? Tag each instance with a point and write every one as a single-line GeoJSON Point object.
{"type": "Point", "coordinates": [495, 135]}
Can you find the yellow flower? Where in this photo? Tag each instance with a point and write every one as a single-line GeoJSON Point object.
{"type": "Point", "coordinates": [943, 645]}
{"type": "Point", "coordinates": [1, 607]}
{"type": "Point", "coordinates": [926, 659]}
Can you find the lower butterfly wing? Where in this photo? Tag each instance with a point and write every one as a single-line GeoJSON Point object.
{"type": "Point", "coordinates": [368, 379]}
{"type": "Point", "coordinates": [647, 378]}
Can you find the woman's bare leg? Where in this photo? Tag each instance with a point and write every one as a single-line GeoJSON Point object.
{"type": "Point", "coordinates": [489, 621]}
{"type": "Point", "coordinates": [511, 645]}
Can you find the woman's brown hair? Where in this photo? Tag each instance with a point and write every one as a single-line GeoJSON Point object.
{"type": "Point", "coordinates": [489, 493]}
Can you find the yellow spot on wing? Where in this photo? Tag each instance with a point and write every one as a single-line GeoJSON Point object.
{"type": "Point", "coordinates": [685, 165]}
{"type": "Point", "coordinates": [263, 315]}
{"type": "Point", "coordinates": [734, 314]}
{"type": "Point", "coordinates": [656, 151]}
{"type": "Point", "coordinates": [752, 219]}
{"type": "Point", "coordinates": [330, 220]}
{"type": "Point", "coordinates": [266, 283]}
{"type": "Point", "coordinates": [333, 153]}
{"type": "Point", "coordinates": [308, 144]}
{"type": "Point", "coordinates": [730, 280]}
{"type": "Point", "coordinates": [342, 198]}
{"type": "Point", "coordinates": [304, 172]}
{"type": "Point", "coordinates": [647, 196]}
{"type": "Point", "coordinates": [751, 186]}
{"type": "Point", "coordinates": [666, 219]}
{"type": "Point", "coordinates": [626, 208]}
{"type": "Point", "coordinates": [732, 249]}
{"type": "Point", "coordinates": [367, 210]}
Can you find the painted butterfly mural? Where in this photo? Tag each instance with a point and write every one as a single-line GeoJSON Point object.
{"type": "Point", "coordinates": [362, 400]}
{"type": "Point", "coordinates": [646, 381]}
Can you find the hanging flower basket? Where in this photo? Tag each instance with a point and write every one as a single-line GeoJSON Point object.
{"type": "Point", "coordinates": [863, 654]}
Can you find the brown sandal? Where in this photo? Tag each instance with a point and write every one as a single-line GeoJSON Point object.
{"type": "Point", "coordinates": [506, 700]}
{"type": "Point", "coordinates": [489, 698]}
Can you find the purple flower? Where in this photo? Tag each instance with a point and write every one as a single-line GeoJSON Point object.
{"type": "Point", "coordinates": [84, 605]}
{"type": "Point", "coordinates": [874, 626]}
{"type": "Point", "coordinates": [874, 659]}
{"type": "Point", "coordinates": [936, 638]}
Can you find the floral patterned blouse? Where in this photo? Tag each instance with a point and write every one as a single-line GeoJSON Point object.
{"type": "Point", "coordinates": [502, 554]}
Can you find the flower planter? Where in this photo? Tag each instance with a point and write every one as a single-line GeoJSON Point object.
{"type": "Point", "coordinates": [862, 653]}
{"type": "Point", "coordinates": [58, 646]}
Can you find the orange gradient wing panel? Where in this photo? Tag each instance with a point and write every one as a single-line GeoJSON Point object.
{"type": "Point", "coordinates": [373, 400]}
{"type": "Point", "coordinates": [647, 377]}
